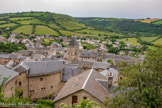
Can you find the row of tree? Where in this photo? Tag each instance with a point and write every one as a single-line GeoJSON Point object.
{"type": "Point", "coordinates": [11, 47]}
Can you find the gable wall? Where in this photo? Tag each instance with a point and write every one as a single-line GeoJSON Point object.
{"type": "Point", "coordinates": [80, 94]}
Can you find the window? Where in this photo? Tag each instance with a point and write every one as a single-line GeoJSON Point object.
{"type": "Point", "coordinates": [41, 79]}
{"type": "Point", "coordinates": [74, 99]}
{"type": "Point", "coordinates": [43, 88]}
{"type": "Point", "coordinates": [84, 97]}
{"type": "Point", "coordinates": [31, 91]}
{"type": "Point", "coordinates": [19, 83]}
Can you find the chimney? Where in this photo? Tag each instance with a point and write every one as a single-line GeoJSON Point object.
{"type": "Point", "coordinates": [110, 80]}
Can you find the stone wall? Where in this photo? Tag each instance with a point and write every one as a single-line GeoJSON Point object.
{"type": "Point", "coordinates": [9, 88]}
{"type": "Point", "coordinates": [23, 79]}
{"type": "Point", "coordinates": [80, 95]}
{"type": "Point", "coordinates": [43, 86]}
{"type": "Point", "coordinates": [72, 53]}
{"type": "Point", "coordinates": [35, 87]}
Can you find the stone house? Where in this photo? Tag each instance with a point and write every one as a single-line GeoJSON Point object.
{"type": "Point", "coordinates": [39, 79]}
{"type": "Point", "coordinates": [88, 85]}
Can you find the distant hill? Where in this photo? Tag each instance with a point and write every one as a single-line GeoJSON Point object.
{"type": "Point", "coordinates": [124, 25]}
{"type": "Point", "coordinates": [40, 23]}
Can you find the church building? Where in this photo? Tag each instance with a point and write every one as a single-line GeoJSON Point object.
{"type": "Point", "coordinates": [73, 50]}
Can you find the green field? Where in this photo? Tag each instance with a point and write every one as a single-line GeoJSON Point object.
{"type": "Point", "coordinates": [132, 41]}
{"type": "Point", "coordinates": [26, 29]}
{"type": "Point", "coordinates": [70, 25]}
{"type": "Point", "coordinates": [159, 41]}
{"type": "Point", "coordinates": [148, 39]}
{"type": "Point", "coordinates": [40, 30]}
{"type": "Point", "coordinates": [67, 33]}
{"type": "Point", "coordinates": [7, 25]}
{"type": "Point", "coordinates": [46, 41]}
{"type": "Point", "coordinates": [2, 22]}
{"type": "Point", "coordinates": [157, 22]}
{"type": "Point", "coordinates": [32, 21]}
{"type": "Point", "coordinates": [96, 32]}
{"type": "Point", "coordinates": [20, 18]}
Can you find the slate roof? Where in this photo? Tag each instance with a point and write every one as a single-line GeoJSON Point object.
{"type": "Point", "coordinates": [88, 53]}
{"type": "Point", "coordinates": [9, 56]}
{"type": "Point", "coordinates": [22, 67]}
{"type": "Point", "coordinates": [86, 64]}
{"type": "Point", "coordinates": [99, 65]}
{"type": "Point", "coordinates": [14, 56]}
{"type": "Point", "coordinates": [92, 64]}
{"type": "Point", "coordinates": [107, 72]}
{"type": "Point", "coordinates": [5, 73]}
{"type": "Point", "coordinates": [10, 64]}
{"type": "Point", "coordinates": [4, 55]}
{"type": "Point", "coordinates": [73, 43]}
{"type": "Point", "coordinates": [114, 56]}
{"type": "Point", "coordinates": [70, 70]}
{"type": "Point", "coordinates": [43, 67]}
{"type": "Point", "coordinates": [86, 81]}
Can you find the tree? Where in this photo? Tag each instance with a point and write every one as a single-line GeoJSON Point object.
{"type": "Point", "coordinates": [141, 85]}
{"type": "Point", "coordinates": [0, 32]}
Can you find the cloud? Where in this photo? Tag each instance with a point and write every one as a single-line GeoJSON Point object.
{"type": "Point", "coordinates": [88, 8]}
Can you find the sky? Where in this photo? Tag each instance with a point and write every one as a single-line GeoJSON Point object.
{"type": "Point", "coordinates": [88, 8]}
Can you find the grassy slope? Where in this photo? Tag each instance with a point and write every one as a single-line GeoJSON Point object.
{"type": "Point", "coordinates": [7, 25]}
{"type": "Point", "coordinates": [64, 23]}
{"type": "Point", "coordinates": [20, 18]}
{"type": "Point", "coordinates": [148, 39]}
{"type": "Point", "coordinates": [26, 29]}
{"type": "Point", "coordinates": [132, 41]}
{"type": "Point", "coordinates": [159, 41]}
{"type": "Point", "coordinates": [68, 33]}
{"type": "Point", "coordinates": [31, 21]}
{"type": "Point", "coordinates": [157, 22]}
{"type": "Point", "coordinates": [58, 22]}
{"type": "Point", "coordinates": [119, 25]}
{"type": "Point", "coordinates": [45, 30]}
{"type": "Point", "coordinates": [1, 22]}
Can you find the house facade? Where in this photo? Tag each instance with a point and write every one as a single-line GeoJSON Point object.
{"type": "Point", "coordinates": [37, 79]}
{"type": "Point", "coordinates": [88, 85]}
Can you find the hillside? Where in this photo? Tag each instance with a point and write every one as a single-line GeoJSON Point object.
{"type": "Point", "coordinates": [41, 23]}
{"type": "Point", "coordinates": [124, 25]}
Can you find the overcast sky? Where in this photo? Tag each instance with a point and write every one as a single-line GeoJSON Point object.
{"type": "Point", "coordinates": [88, 8]}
